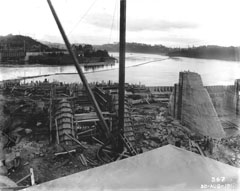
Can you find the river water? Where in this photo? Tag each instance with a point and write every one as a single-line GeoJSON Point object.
{"type": "Point", "coordinates": [148, 69]}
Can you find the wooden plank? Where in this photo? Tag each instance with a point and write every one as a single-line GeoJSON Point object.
{"type": "Point", "coordinates": [32, 177]}
{"type": "Point", "coordinates": [57, 136]}
{"type": "Point", "coordinates": [95, 139]}
{"type": "Point", "coordinates": [81, 133]}
{"type": "Point", "coordinates": [24, 178]}
{"type": "Point", "coordinates": [66, 152]}
{"type": "Point", "coordinates": [76, 141]}
{"type": "Point", "coordinates": [83, 160]}
{"type": "Point", "coordinates": [88, 115]}
{"type": "Point", "coordinates": [91, 120]}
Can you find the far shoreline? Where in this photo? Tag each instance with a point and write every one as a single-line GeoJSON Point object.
{"type": "Point", "coordinates": [55, 65]}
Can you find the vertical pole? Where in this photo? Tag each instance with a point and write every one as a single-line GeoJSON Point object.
{"type": "Point", "coordinates": [180, 97]}
{"type": "Point", "coordinates": [32, 177]}
{"type": "Point", "coordinates": [50, 116]}
{"type": "Point", "coordinates": [174, 100]}
{"type": "Point", "coordinates": [104, 125]}
{"type": "Point", "coordinates": [24, 77]}
{"type": "Point", "coordinates": [237, 96]}
{"type": "Point", "coordinates": [122, 44]}
{"type": "Point", "coordinates": [57, 134]}
{"type": "Point", "coordinates": [24, 46]}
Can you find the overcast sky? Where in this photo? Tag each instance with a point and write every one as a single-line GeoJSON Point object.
{"type": "Point", "coordinates": [168, 22]}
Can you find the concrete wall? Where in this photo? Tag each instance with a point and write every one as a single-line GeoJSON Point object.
{"type": "Point", "coordinates": [173, 101]}
{"type": "Point", "coordinates": [194, 107]}
{"type": "Point", "coordinates": [236, 96]}
{"type": "Point", "coordinates": [223, 98]}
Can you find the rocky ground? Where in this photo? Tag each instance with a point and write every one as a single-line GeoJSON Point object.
{"type": "Point", "coordinates": [160, 129]}
{"type": "Point", "coordinates": [47, 166]}
{"type": "Point", "coordinates": [153, 128]}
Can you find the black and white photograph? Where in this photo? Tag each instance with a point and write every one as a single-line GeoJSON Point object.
{"type": "Point", "coordinates": [126, 95]}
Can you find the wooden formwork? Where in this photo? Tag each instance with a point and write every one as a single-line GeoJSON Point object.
{"type": "Point", "coordinates": [64, 122]}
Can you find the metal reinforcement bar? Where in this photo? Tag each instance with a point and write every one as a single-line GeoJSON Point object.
{"type": "Point", "coordinates": [80, 72]}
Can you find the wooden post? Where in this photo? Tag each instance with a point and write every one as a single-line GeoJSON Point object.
{"type": "Point", "coordinates": [111, 124]}
{"type": "Point", "coordinates": [57, 135]}
{"type": "Point", "coordinates": [50, 116]}
{"type": "Point", "coordinates": [237, 97]}
{"type": "Point", "coordinates": [180, 89]}
{"type": "Point", "coordinates": [32, 177]}
{"type": "Point", "coordinates": [174, 100]}
{"type": "Point", "coordinates": [73, 131]}
{"type": "Point", "coordinates": [121, 91]}
{"type": "Point", "coordinates": [103, 123]}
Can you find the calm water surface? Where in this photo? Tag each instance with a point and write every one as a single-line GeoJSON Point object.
{"type": "Point", "coordinates": [148, 69]}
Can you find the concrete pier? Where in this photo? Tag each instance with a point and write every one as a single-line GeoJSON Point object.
{"type": "Point", "coordinates": [192, 105]}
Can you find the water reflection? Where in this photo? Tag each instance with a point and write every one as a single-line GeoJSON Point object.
{"type": "Point", "coordinates": [92, 68]}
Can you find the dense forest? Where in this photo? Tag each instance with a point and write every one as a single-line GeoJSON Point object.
{"type": "Point", "coordinates": [206, 52]}
{"type": "Point", "coordinates": [30, 45]}
{"type": "Point", "coordinates": [24, 43]}
{"type": "Point", "coordinates": [11, 45]}
{"type": "Point", "coordinates": [101, 51]}
{"type": "Point", "coordinates": [209, 52]}
{"type": "Point", "coordinates": [88, 51]}
{"type": "Point", "coordinates": [136, 47]}
{"type": "Point", "coordinates": [85, 54]}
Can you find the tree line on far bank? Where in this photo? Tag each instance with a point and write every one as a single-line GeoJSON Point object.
{"type": "Point", "coordinates": [87, 51]}
{"type": "Point", "coordinates": [207, 52]}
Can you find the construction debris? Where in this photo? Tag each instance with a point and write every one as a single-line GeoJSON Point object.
{"type": "Point", "coordinates": [52, 126]}
{"type": "Point", "coordinates": [83, 160]}
{"type": "Point", "coordinates": [75, 140]}
{"type": "Point", "coordinates": [63, 153]}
